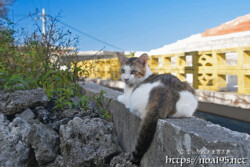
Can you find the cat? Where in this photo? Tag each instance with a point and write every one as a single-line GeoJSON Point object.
{"type": "Point", "coordinates": [152, 97]}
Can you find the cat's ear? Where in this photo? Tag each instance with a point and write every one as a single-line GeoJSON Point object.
{"type": "Point", "coordinates": [143, 59]}
{"type": "Point", "coordinates": [122, 58]}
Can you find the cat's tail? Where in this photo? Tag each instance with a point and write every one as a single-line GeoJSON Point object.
{"type": "Point", "coordinates": [161, 103]}
{"type": "Point", "coordinates": [145, 136]}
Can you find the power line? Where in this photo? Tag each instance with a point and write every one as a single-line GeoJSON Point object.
{"type": "Point", "coordinates": [92, 37]}
{"type": "Point", "coordinates": [77, 30]}
{"type": "Point", "coordinates": [99, 51]}
{"type": "Point", "coordinates": [22, 19]}
{"type": "Point", "coordinates": [29, 15]}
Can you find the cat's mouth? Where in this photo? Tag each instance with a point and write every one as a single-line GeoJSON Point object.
{"type": "Point", "coordinates": [127, 81]}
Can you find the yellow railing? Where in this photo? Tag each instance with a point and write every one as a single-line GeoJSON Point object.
{"type": "Point", "coordinates": [208, 68]}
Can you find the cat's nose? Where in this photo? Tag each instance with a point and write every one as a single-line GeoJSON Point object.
{"type": "Point", "coordinates": [126, 80]}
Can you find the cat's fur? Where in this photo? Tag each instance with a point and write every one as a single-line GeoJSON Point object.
{"type": "Point", "coordinates": [152, 97]}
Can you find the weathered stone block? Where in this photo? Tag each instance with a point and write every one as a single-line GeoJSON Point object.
{"type": "Point", "coordinates": [87, 142]}
{"type": "Point", "coordinates": [183, 138]}
{"type": "Point", "coordinates": [11, 103]}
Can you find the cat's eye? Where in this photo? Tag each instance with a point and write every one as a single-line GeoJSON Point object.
{"type": "Point", "coordinates": [133, 72]}
{"type": "Point", "coordinates": [122, 71]}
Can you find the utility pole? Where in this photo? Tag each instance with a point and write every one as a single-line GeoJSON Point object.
{"type": "Point", "coordinates": [43, 19]}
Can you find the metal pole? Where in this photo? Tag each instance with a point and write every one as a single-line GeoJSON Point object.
{"type": "Point", "coordinates": [43, 19]}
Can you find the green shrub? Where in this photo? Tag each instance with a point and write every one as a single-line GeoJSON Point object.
{"type": "Point", "coordinates": [99, 99]}
{"type": "Point", "coordinates": [35, 62]}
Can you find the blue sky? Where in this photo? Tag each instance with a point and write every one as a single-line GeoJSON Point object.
{"type": "Point", "coordinates": [134, 24]}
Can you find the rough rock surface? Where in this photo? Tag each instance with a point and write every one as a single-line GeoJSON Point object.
{"type": "Point", "coordinates": [42, 114]}
{"type": "Point", "coordinates": [58, 162]}
{"type": "Point", "coordinates": [122, 160]}
{"type": "Point", "coordinates": [19, 140]}
{"type": "Point", "coordinates": [56, 125]}
{"type": "Point", "coordinates": [91, 110]}
{"type": "Point", "coordinates": [11, 103]}
{"type": "Point", "coordinates": [32, 134]}
{"type": "Point", "coordinates": [45, 143]}
{"type": "Point", "coordinates": [26, 114]}
{"type": "Point", "coordinates": [14, 151]}
{"type": "Point", "coordinates": [87, 142]}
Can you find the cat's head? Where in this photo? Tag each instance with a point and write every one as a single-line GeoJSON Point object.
{"type": "Point", "coordinates": [133, 70]}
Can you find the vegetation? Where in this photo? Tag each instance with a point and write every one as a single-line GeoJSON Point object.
{"type": "Point", "coordinates": [131, 54]}
{"type": "Point", "coordinates": [33, 62]}
{"type": "Point", "coordinates": [4, 7]}
{"type": "Point", "coordinates": [99, 99]}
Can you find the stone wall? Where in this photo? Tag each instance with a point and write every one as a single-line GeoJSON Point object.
{"type": "Point", "coordinates": [206, 144]}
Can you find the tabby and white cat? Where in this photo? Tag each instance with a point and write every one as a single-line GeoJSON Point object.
{"type": "Point", "coordinates": [152, 97]}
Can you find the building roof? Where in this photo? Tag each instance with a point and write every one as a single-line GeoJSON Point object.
{"type": "Point", "coordinates": [239, 24]}
{"type": "Point", "coordinates": [235, 33]}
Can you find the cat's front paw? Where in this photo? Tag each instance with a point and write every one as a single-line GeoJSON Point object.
{"type": "Point", "coordinates": [121, 99]}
